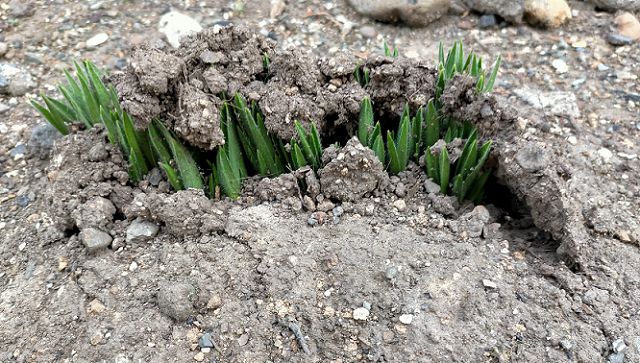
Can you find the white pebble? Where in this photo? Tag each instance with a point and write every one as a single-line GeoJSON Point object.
{"type": "Point", "coordinates": [560, 66]}
{"type": "Point", "coordinates": [406, 319]}
{"type": "Point", "coordinates": [360, 314]}
{"type": "Point", "coordinates": [605, 154]}
{"type": "Point", "coordinates": [97, 39]}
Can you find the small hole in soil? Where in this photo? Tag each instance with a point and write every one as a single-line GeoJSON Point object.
{"type": "Point", "coordinates": [500, 196]}
{"type": "Point", "coordinates": [518, 226]}
{"type": "Point", "coordinates": [119, 216]}
{"type": "Point", "coordinates": [336, 133]}
{"type": "Point", "coordinates": [69, 232]}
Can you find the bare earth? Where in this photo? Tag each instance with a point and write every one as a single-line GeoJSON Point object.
{"type": "Point", "coordinates": [546, 271]}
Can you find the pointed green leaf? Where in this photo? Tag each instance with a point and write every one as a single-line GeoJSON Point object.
{"type": "Point", "coordinates": [378, 148]}
{"type": "Point", "coordinates": [366, 120]}
{"type": "Point", "coordinates": [55, 122]}
{"type": "Point", "coordinates": [492, 78]}
{"type": "Point", "coordinates": [172, 176]}
{"type": "Point", "coordinates": [444, 170]}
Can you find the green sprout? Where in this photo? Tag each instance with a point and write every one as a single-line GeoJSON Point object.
{"type": "Point", "coordinates": [389, 52]}
{"type": "Point", "coordinates": [471, 64]}
{"type": "Point", "coordinates": [87, 100]}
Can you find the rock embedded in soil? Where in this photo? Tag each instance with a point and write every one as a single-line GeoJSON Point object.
{"type": "Point", "coordinates": [175, 25]}
{"type": "Point", "coordinates": [42, 139]}
{"type": "Point", "coordinates": [95, 239]}
{"type": "Point", "coordinates": [510, 10]}
{"type": "Point", "coordinates": [414, 13]}
{"type": "Point", "coordinates": [549, 13]}
{"type": "Point", "coordinates": [558, 103]}
{"type": "Point", "coordinates": [613, 5]}
{"type": "Point", "coordinates": [176, 299]}
{"type": "Point", "coordinates": [141, 231]}
{"type": "Point", "coordinates": [618, 40]}
{"type": "Point", "coordinates": [14, 80]}
{"type": "Point", "coordinates": [21, 8]}
{"type": "Point", "coordinates": [352, 173]}
{"type": "Point", "coordinates": [360, 314]}
{"type": "Point", "coordinates": [628, 25]}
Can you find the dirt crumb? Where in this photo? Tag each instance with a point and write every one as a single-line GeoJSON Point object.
{"type": "Point", "coordinates": [352, 173]}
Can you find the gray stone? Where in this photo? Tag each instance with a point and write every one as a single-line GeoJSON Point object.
{"type": "Point", "coordinates": [614, 5]}
{"type": "Point", "coordinates": [431, 187]}
{"type": "Point", "coordinates": [176, 299]}
{"type": "Point", "coordinates": [489, 284]}
{"type": "Point", "coordinates": [4, 108]}
{"type": "Point", "coordinates": [206, 341]}
{"type": "Point", "coordinates": [18, 151]}
{"type": "Point", "coordinates": [487, 21]}
{"type": "Point", "coordinates": [616, 358]}
{"type": "Point", "coordinates": [618, 39]}
{"type": "Point", "coordinates": [42, 139]}
{"type": "Point", "coordinates": [368, 31]}
{"type": "Point", "coordinates": [95, 239]}
{"type": "Point", "coordinates": [21, 8]}
{"type": "Point", "coordinates": [410, 12]}
{"type": "Point", "coordinates": [141, 231]}
{"type": "Point", "coordinates": [391, 272]}
{"type": "Point", "coordinates": [619, 346]}
{"type": "Point", "coordinates": [3, 48]}
{"type": "Point", "coordinates": [509, 10]}
{"type": "Point", "coordinates": [360, 314]}
{"type": "Point", "coordinates": [338, 211]}
{"type": "Point", "coordinates": [14, 81]}
{"type": "Point", "coordinates": [557, 103]}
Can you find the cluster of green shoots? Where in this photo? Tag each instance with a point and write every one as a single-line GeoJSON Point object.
{"type": "Point", "coordinates": [419, 135]}
{"type": "Point", "coordinates": [248, 149]}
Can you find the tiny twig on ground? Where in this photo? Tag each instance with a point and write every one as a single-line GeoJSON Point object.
{"type": "Point", "coordinates": [295, 329]}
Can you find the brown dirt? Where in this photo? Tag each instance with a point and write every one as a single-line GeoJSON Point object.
{"type": "Point", "coordinates": [545, 272]}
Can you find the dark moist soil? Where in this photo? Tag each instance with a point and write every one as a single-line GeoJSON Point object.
{"type": "Point", "coordinates": [360, 265]}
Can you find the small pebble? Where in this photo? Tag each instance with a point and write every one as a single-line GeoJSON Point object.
{"type": "Point", "coordinates": [489, 284]}
{"type": "Point", "coordinates": [97, 39]}
{"type": "Point", "coordinates": [406, 319]}
{"type": "Point", "coordinates": [560, 66]}
{"type": "Point", "coordinates": [360, 314]}
{"type": "Point", "coordinates": [618, 39]}
{"type": "Point", "coordinates": [400, 204]}
{"type": "Point", "coordinates": [487, 21]}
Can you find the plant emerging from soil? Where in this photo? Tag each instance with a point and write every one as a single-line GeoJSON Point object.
{"type": "Point", "coordinates": [248, 149]}
{"type": "Point", "coordinates": [430, 132]}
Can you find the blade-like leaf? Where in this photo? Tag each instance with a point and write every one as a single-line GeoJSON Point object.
{"type": "Point", "coordinates": [378, 148]}
{"type": "Point", "coordinates": [55, 122]}
{"type": "Point", "coordinates": [366, 121]}
{"type": "Point", "coordinates": [488, 87]}
{"type": "Point", "coordinates": [297, 158]}
{"type": "Point", "coordinates": [469, 155]}
{"type": "Point", "coordinates": [432, 125]}
{"type": "Point", "coordinates": [395, 165]}
{"type": "Point", "coordinates": [230, 182]}
{"type": "Point", "coordinates": [444, 170]}
{"type": "Point", "coordinates": [172, 176]}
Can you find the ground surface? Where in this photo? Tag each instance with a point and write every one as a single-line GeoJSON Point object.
{"type": "Point", "coordinates": [434, 290]}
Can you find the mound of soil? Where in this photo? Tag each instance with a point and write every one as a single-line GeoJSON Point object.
{"type": "Point", "coordinates": [355, 266]}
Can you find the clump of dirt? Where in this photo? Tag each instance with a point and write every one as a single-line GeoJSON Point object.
{"type": "Point", "coordinates": [351, 172]}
